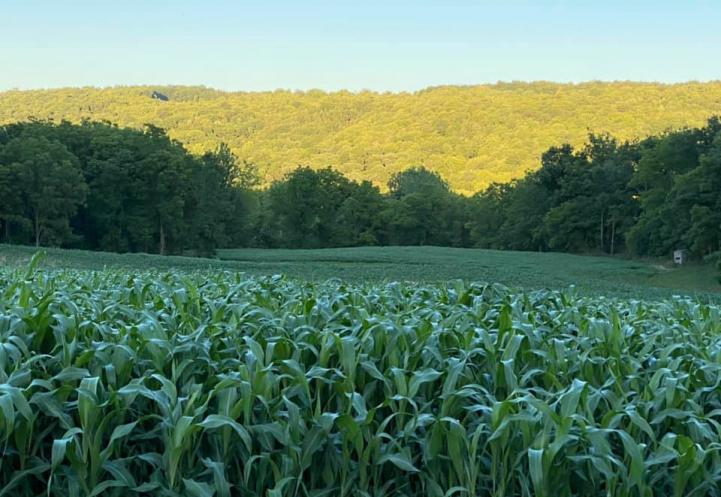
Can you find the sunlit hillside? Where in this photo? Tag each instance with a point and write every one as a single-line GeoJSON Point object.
{"type": "Point", "coordinates": [471, 135]}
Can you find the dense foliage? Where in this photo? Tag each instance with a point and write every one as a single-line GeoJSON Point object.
{"type": "Point", "coordinates": [98, 186]}
{"type": "Point", "coordinates": [648, 197]}
{"type": "Point", "coordinates": [645, 198]}
{"type": "Point", "coordinates": [472, 136]}
{"type": "Point", "coordinates": [322, 208]}
{"type": "Point", "coordinates": [203, 385]}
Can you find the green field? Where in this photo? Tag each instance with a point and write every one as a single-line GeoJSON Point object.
{"type": "Point", "coordinates": [363, 372]}
{"type": "Point", "coordinates": [188, 384]}
{"type": "Point", "coordinates": [528, 270]}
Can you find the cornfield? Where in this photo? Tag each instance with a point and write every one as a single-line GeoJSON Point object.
{"type": "Point", "coordinates": [200, 385]}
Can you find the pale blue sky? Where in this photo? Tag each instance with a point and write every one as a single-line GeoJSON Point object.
{"type": "Point", "coordinates": [380, 45]}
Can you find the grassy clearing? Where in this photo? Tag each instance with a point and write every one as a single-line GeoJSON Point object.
{"type": "Point", "coordinates": [119, 383]}
{"type": "Point", "coordinates": [529, 270]}
{"type": "Point", "coordinates": [604, 275]}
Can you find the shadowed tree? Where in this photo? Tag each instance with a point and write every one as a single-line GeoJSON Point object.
{"type": "Point", "coordinates": [11, 204]}
{"type": "Point", "coordinates": [424, 210]}
{"type": "Point", "coordinates": [304, 208]}
{"type": "Point", "coordinates": [50, 182]}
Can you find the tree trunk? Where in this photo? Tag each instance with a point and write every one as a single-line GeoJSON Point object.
{"type": "Point", "coordinates": [602, 221]}
{"type": "Point", "coordinates": [613, 236]}
{"type": "Point", "coordinates": [37, 229]}
{"type": "Point", "coordinates": [162, 240]}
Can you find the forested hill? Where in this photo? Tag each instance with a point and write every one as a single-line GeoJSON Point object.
{"type": "Point", "coordinates": [471, 135]}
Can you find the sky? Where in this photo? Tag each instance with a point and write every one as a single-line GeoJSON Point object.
{"type": "Point", "coordinates": [389, 45]}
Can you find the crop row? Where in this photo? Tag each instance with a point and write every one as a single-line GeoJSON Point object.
{"type": "Point", "coordinates": [176, 384]}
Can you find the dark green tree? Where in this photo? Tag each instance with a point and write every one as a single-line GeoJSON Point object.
{"type": "Point", "coordinates": [698, 193]}
{"type": "Point", "coordinates": [425, 211]}
{"type": "Point", "coordinates": [303, 209]}
{"type": "Point", "coordinates": [214, 208]}
{"type": "Point", "coordinates": [11, 202]}
{"type": "Point", "coordinates": [358, 216]}
{"type": "Point", "coordinates": [50, 183]}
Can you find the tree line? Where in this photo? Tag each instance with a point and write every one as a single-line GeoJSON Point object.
{"type": "Point", "coordinates": [645, 198]}
{"type": "Point", "coordinates": [98, 186]}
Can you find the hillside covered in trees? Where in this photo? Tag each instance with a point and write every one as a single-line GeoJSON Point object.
{"type": "Point", "coordinates": [472, 136]}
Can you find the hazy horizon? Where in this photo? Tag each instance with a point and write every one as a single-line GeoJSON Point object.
{"type": "Point", "coordinates": [362, 90]}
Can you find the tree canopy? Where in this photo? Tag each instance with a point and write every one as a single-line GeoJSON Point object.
{"type": "Point", "coordinates": [646, 198]}
{"type": "Point", "coordinates": [472, 135]}
{"type": "Point", "coordinates": [98, 186]}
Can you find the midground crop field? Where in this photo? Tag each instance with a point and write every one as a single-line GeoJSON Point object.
{"type": "Point", "coordinates": [607, 276]}
{"type": "Point", "coordinates": [187, 377]}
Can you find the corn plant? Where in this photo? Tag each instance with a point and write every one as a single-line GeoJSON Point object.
{"type": "Point", "coordinates": [115, 383]}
